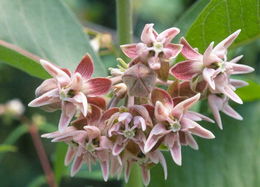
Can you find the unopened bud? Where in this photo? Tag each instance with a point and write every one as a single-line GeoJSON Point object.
{"type": "Point", "coordinates": [14, 107]}
{"type": "Point", "coordinates": [120, 90]}
{"type": "Point", "coordinates": [140, 80]}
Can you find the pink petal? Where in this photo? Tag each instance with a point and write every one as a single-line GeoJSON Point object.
{"type": "Point", "coordinates": [157, 132]}
{"type": "Point", "coordinates": [46, 86]}
{"type": "Point", "coordinates": [231, 94]}
{"type": "Point", "coordinates": [85, 67]}
{"type": "Point", "coordinates": [188, 51]}
{"type": "Point", "coordinates": [200, 131]}
{"type": "Point", "coordinates": [186, 70]}
{"type": "Point", "coordinates": [221, 49]}
{"type": "Point", "coordinates": [209, 57]}
{"type": "Point", "coordinates": [176, 152]}
{"type": "Point", "coordinates": [149, 34]}
{"type": "Point", "coordinates": [238, 83]}
{"type": "Point", "coordinates": [55, 71]}
{"type": "Point", "coordinates": [185, 105]}
{"type": "Point", "coordinates": [208, 75]}
{"type": "Point", "coordinates": [118, 148]}
{"type": "Point", "coordinates": [130, 50]}
{"type": "Point", "coordinates": [142, 111]}
{"type": "Point", "coordinates": [172, 50]}
{"type": "Point", "coordinates": [76, 82]}
{"type": "Point", "coordinates": [154, 63]}
{"type": "Point", "coordinates": [236, 59]}
{"type": "Point", "coordinates": [97, 101]}
{"type": "Point", "coordinates": [215, 103]}
{"type": "Point", "coordinates": [80, 100]}
{"type": "Point", "coordinates": [241, 69]}
{"type": "Point", "coordinates": [161, 113]}
{"type": "Point", "coordinates": [92, 132]}
{"type": "Point", "coordinates": [67, 113]}
{"type": "Point", "coordinates": [145, 175]}
{"type": "Point", "coordinates": [47, 98]}
{"type": "Point", "coordinates": [76, 165]}
{"type": "Point", "coordinates": [161, 95]}
{"type": "Point", "coordinates": [197, 116]}
{"type": "Point", "coordinates": [228, 110]}
{"type": "Point", "coordinates": [97, 86]}
{"type": "Point", "coordinates": [139, 121]}
{"type": "Point", "coordinates": [191, 141]}
{"type": "Point", "coordinates": [69, 155]}
{"type": "Point", "coordinates": [167, 35]}
{"type": "Point", "coordinates": [127, 171]}
{"type": "Point", "coordinates": [105, 169]}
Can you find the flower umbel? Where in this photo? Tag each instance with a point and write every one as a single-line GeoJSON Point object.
{"type": "Point", "coordinates": [141, 119]}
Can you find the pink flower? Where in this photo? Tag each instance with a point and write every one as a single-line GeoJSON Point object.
{"type": "Point", "coordinates": [218, 103]}
{"type": "Point", "coordinates": [212, 66]}
{"type": "Point", "coordinates": [85, 145]}
{"type": "Point", "coordinates": [175, 124]}
{"type": "Point", "coordinates": [69, 91]}
{"type": "Point", "coordinates": [127, 127]}
{"type": "Point", "coordinates": [155, 48]}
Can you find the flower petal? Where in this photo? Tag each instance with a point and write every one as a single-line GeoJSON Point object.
{"type": "Point", "coordinates": [175, 151]}
{"type": "Point", "coordinates": [221, 49]}
{"type": "Point", "coordinates": [191, 141]}
{"type": "Point", "coordinates": [69, 155]}
{"type": "Point", "coordinates": [46, 86]}
{"type": "Point", "coordinates": [186, 70]}
{"type": "Point", "coordinates": [145, 175]}
{"type": "Point", "coordinates": [56, 72]}
{"type": "Point", "coordinates": [161, 112]}
{"type": "Point", "coordinates": [238, 83]}
{"type": "Point", "coordinates": [97, 86]}
{"type": "Point", "coordinates": [188, 51]}
{"type": "Point", "coordinates": [130, 50]}
{"type": "Point", "coordinates": [185, 105]}
{"type": "Point", "coordinates": [97, 101]}
{"type": "Point", "coordinates": [85, 67]}
{"type": "Point", "coordinates": [172, 50]}
{"type": "Point", "coordinates": [76, 165]}
{"type": "Point", "coordinates": [148, 34]}
{"type": "Point", "coordinates": [228, 110]}
{"type": "Point", "coordinates": [208, 75]}
{"type": "Point", "coordinates": [161, 95]}
{"type": "Point", "coordinates": [241, 69]}
{"type": "Point", "coordinates": [167, 35]}
{"type": "Point", "coordinates": [105, 169]}
{"type": "Point", "coordinates": [215, 103]}
{"type": "Point", "coordinates": [47, 98]}
{"type": "Point", "coordinates": [68, 111]}
{"type": "Point", "coordinates": [157, 132]}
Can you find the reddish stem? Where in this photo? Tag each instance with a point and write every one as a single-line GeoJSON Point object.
{"type": "Point", "coordinates": [42, 155]}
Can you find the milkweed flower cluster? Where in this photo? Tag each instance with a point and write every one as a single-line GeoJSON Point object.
{"type": "Point", "coordinates": [151, 119]}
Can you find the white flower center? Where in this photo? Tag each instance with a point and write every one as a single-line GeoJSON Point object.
{"type": "Point", "coordinates": [129, 133]}
{"type": "Point", "coordinates": [90, 147]}
{"type": "Point", "coordinates": [175, 126]}
{"type": "Point", "coordinates": [158, 47]}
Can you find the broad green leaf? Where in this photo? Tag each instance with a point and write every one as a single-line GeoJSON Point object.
{"type": "Point", "coordinates": [221, 18]}
{"type": "Point", "coordinates": [21, 59]}
{"type": "Point", "coordinates": [232, 159]}
{"type": "Point", "coordinates": [7, 148]}
{"type": "Point", "coordinates": [188, 17]}
{"type": "Point", "coordinates": [250, 92]}
{"type": "Point", "coordinates": [47, 29]}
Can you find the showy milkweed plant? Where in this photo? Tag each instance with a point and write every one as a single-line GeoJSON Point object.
{"type": "Point", "coordinates": [150, 107]}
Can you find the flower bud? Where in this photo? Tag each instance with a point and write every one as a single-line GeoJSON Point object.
{"type": "Point", "coordinates": [140, 80]}
{"type": "Point", "coordinates": [120, 90]}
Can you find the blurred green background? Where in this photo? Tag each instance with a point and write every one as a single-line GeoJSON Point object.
{"type": "Point", "coordinates": [231, 160]}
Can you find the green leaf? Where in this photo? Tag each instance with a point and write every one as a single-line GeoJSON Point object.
{"type": "Point", "coordinates": [38, 181]}
{"type": "Point", "coordinates": [221, 18]}
{"type": "Point", "coordinates": [189, 16]}
{"type": "Point", "coordinates": [232, 159]}
{"type": "Point", "coordinates": [250, 92]}
{"type": "Point", "coordinates": [7, 148]}
{"type": "Point", "coordinates": [47, 29]}
{"type": "Point", "coordinates": [59, 167]}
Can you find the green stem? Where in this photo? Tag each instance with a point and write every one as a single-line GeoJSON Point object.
{"type": "Point", "coordinates": [135, 179]}
{"type": "Point", "coordinates": [125, 34]}
{"type": "Point", "coordinates": [124, 23]}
